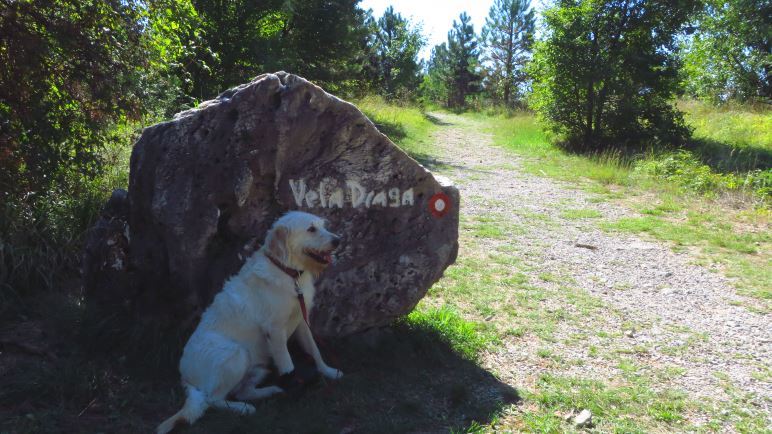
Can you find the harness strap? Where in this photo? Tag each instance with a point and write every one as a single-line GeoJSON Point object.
{"type": "Point", "coordinates": [302, 302]}
{"type": "Point", "coordinates": [294, 274]}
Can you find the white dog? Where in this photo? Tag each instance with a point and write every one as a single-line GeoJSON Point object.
{"type": "Point", "coordinates": [250, 320]}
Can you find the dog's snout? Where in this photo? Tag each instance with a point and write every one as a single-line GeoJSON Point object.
{"type": "Point", "coordinates": [335, 241]}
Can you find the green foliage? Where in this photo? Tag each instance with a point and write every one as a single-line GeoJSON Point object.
{"type": "Point", "coordinates": [321, 40]}
{"type": "Point", "coordinates": [453, 72]}
{"type": "Point", "coordinates": [76, 77]}
{"type": "Point", "coordinates": [176, 52]}
{"type": "Point", "coordinates": [506, 39]}
{"type": "Point", "coordinates": [72, 78]}
{"type": "Point", "coordinates": [685, 169]}
{"type": "Point", "coordinates": [730, 54]}
{"type": "Point", "coordinates": [436, 82]}
{"type": "Point", "coordinates": [464, 60]}
{"type": "Point", "coordinates": [605, 72]}
{"type": "Point", "coordinates": [68, 71]}
{"type": "Point", "coordinates": [395, 45]}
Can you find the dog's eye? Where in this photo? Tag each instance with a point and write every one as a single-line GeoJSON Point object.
{"type": "Point", "coordinates": [312, 229]}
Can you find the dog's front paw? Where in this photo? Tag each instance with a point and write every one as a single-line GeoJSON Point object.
{"type": "Point", "coordinates": [331, 373]}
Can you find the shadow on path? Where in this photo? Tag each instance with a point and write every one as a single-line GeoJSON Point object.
{"type": "Point", "coordinates": [436, 120]}
{"type": "Point", "coordinates": [397, 379]}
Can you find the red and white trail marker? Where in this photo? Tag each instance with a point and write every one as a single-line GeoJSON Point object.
{"type": "Point", "coordinates": [439, 204]}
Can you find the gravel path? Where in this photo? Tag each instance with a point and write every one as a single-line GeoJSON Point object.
{"type": "Point", "coordinates": [675, 314]}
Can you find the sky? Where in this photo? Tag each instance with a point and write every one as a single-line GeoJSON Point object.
{"type": "Point", "coordinates": [436, 15]}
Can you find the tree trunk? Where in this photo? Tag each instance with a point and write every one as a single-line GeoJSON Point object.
{"type": "Point", "coordinates": [509, 67]}
{"type": "Point", "coordinates": [588, 136]}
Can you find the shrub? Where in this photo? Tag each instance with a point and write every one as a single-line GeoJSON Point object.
{"type": "Point", "coordinates": [605, 73]}
{"type": "Point", "coordinates": [685, 169]}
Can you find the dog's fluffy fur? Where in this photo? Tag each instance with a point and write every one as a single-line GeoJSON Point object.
{"type": "Point", "coordinates": [249, 322]}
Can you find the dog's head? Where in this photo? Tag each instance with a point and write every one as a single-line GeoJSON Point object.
{"type": "Point", "coordinates": [300, 240]}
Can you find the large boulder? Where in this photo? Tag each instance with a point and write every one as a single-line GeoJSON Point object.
{"type": "Point", "coordinates": [205, 186]}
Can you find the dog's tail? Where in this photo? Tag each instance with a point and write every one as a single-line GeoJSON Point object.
{"type": "Point", "coordinates": [194, 408]}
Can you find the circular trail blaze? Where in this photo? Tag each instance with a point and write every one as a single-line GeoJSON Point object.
{"type": "Point", "coordinates": [439, 204]}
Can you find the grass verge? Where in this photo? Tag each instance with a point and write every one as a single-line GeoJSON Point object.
{"type": "Point", "coordinates": [407, 125]}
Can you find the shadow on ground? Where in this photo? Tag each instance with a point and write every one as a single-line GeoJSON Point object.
{"type": "Point", "coordinates": [435, 120]}
{"type": "Point", "coordinates": [724, 157]}
{"type": "Point", "coordinates": [398, 379]}
{"type": "Point", "coordinates": [403, 378]}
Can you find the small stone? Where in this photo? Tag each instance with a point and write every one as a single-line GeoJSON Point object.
{"type": "Point", "coordinates": [584, 419]}
{"type": "Point", "coordinates": [630, 333]}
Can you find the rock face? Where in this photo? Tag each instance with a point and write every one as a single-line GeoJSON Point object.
{"type": "Point", "coordinates": [206, 186]}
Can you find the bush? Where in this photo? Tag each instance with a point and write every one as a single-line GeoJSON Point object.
{"type": "Point", "coordinates": [605, 73]}
{"type": "Point", "coordinates": [685, 169]}
{"type": "Point", "coordinates": [41, 233]}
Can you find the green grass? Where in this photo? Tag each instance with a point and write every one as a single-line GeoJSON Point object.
{"type": "Point", "coordinates": [523, 134]}
{"type": "Point", "coordinates": [41, 235]}
{"type": "Point", "coordinates": [744, 254]}
{"type": "Point", "coordinates": [628, 407]}
{"type": "Point", "coordinates": [465, 337]}
{"type": "Point", "coordinates": [731, 151]}
{"type": "Point", "coordinates": [407, 126]}
{"type": "Point", "coordinates": [495, 289]}
{"type": "Point", "coordinates": [731, 137]}
{"type": "Point", "coordinates": [573, 214]}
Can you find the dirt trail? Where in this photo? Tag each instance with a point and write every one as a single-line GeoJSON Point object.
{"type": "Point", "coordinates": [656, 303]}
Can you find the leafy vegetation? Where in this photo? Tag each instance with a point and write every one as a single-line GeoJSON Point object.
{"type": "Point", "coordinates": [729, 57]}
{"type": "Point", "coordinates": [604, 74]}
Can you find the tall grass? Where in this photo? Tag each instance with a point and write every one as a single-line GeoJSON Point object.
{"type": "Point", "coordinates": [730, 137]}
{"type": "Point", "coordinates": [405, 124]}
{"type": "Point", "coordinates": [41, 234]}
{"type": "Point", "coordinates": [522, 133]}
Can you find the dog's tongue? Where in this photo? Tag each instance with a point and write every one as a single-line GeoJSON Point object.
{"type": "Point", "coordinates": [328, 257]}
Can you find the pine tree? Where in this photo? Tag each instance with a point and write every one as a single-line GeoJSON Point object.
{"type": "Point", "coordinates": [437, 80]}
{"type": "Point", "coordinates": [464, 59]}
{"type": "Point", "coordinates": [507, 37]}
{"type": "Point", "coordinates": [396, 46]}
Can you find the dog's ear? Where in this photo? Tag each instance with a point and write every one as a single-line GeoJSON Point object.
{"type": "Point", "coordinates": [277, 243]}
